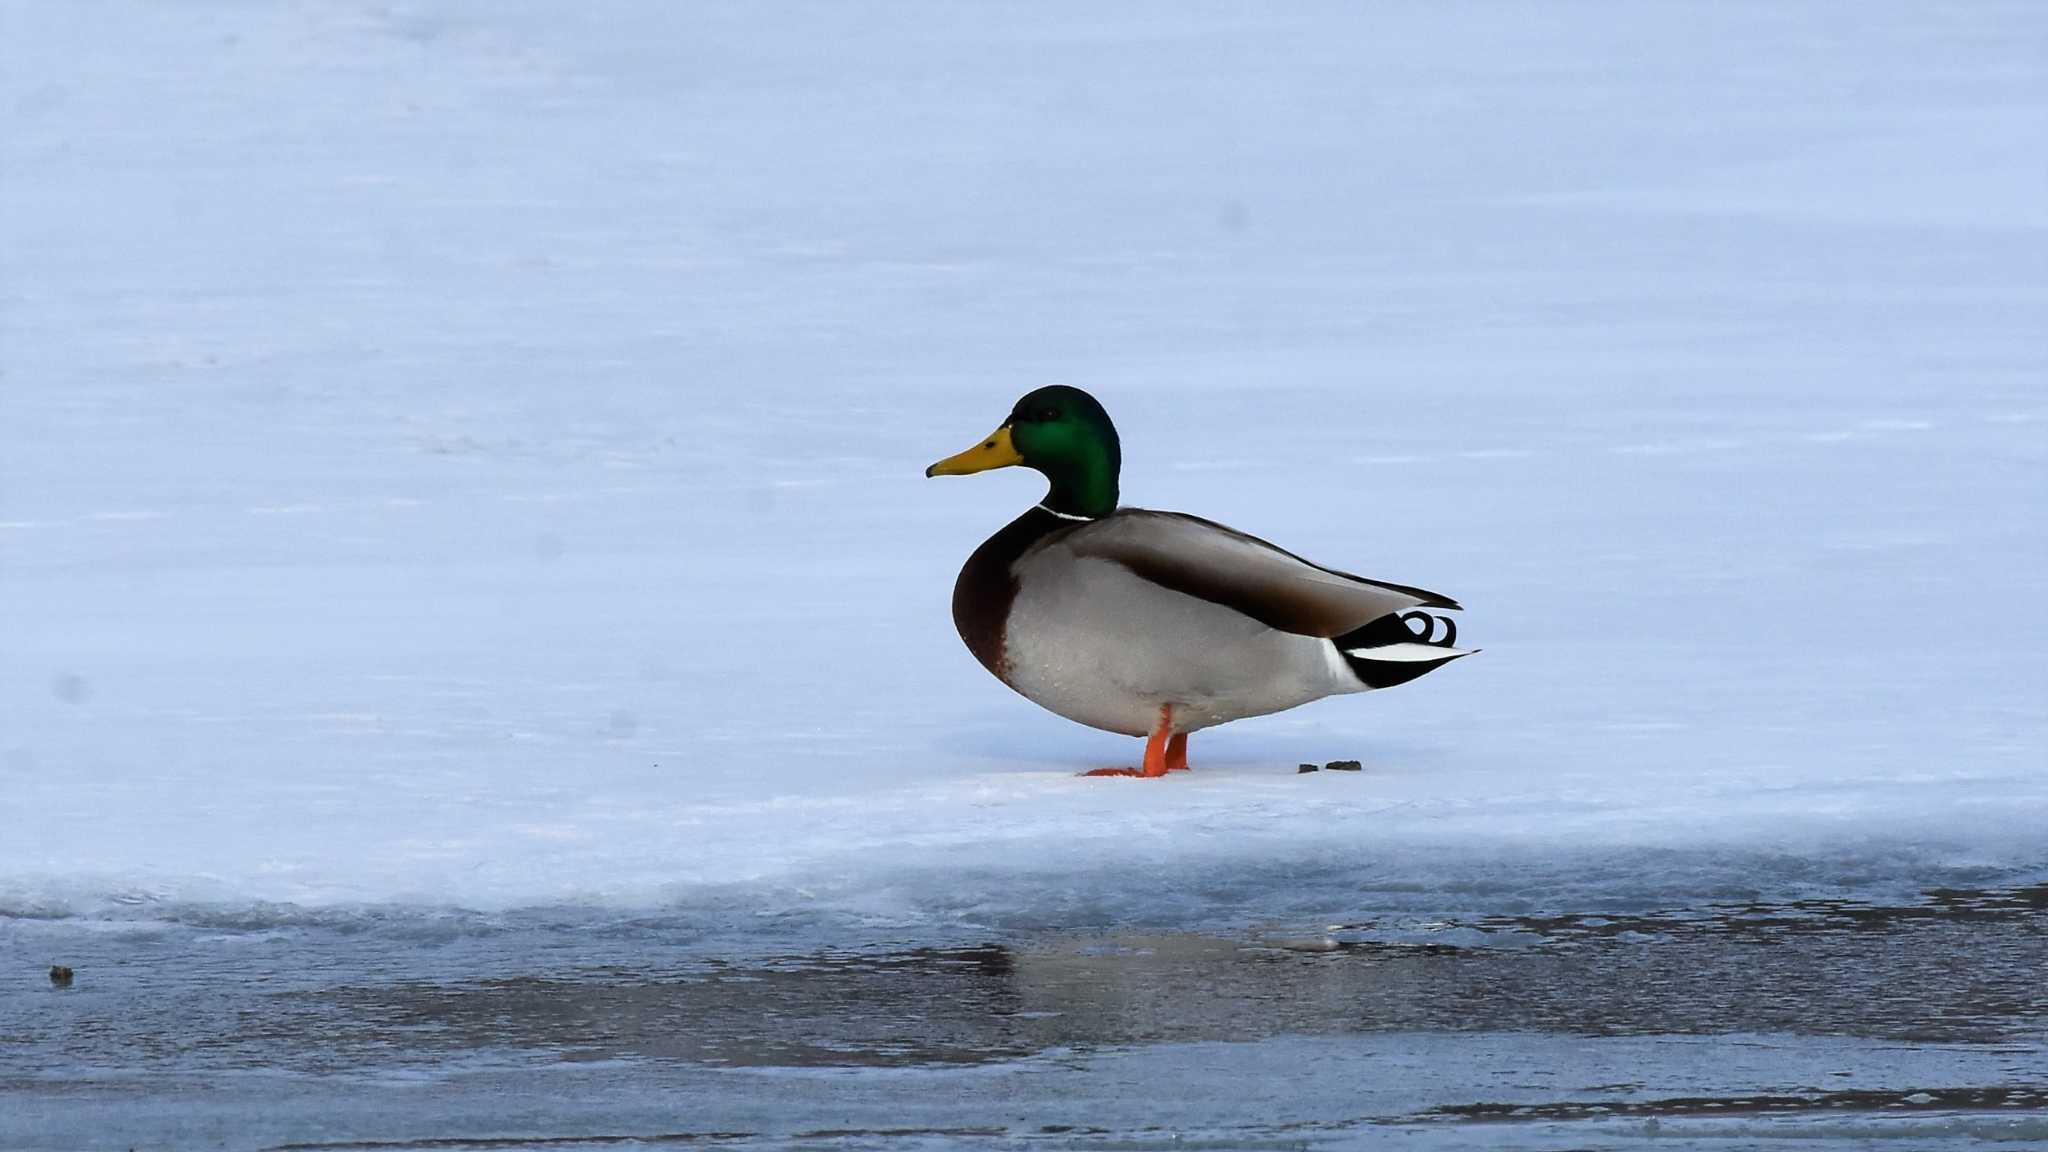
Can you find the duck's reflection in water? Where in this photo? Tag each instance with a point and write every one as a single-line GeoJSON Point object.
{"type": "Point", "coordinates": [1887, 973]}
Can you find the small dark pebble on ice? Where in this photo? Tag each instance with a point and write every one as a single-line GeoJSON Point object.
{"type": "Point", "coordinates": [1306, 768]}
{"type": "Point", "coordinates": [1345, 766]}
{"type": "Point", "coordinates": [60, 976]}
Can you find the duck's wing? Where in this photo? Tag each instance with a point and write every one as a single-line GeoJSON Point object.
{"type": "Point", "coordinates": [1204, 559]}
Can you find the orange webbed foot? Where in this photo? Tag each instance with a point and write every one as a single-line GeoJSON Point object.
{"type": "Point", "coordinates": [1159, 758]}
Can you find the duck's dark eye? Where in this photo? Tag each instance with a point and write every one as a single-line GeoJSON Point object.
{"type": "Point", "coordinates": [1049, 414]}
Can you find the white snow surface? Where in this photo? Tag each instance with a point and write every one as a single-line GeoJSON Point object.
{"type": "Point", "coordinates": [470, 453]}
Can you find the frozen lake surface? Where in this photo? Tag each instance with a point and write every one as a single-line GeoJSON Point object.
{"type": "Point", "coordinates": [463, 550]}
{"type": "Point", "coordinates": [1823, 1024]}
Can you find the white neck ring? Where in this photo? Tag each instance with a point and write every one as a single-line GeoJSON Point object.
{"type": "Point", "coordinates": [1065, 515]}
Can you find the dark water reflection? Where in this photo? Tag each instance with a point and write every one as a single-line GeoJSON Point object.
{"type": "Point", "coordinates": [1956, 968]}
{"type": "Point", "coordinates": [547, 1033]}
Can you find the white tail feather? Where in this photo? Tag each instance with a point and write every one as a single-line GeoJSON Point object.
{"type": "Point", "coordinates": [1398, 653]}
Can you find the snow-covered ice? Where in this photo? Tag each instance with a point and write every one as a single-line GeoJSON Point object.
{"type": "Point", "coordinates": [469, 454]}
{"type": "Point", "coordinates": [475, 660]}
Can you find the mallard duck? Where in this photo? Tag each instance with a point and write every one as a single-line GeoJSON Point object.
{"type": "Point", "coordinates": [1158, 624]}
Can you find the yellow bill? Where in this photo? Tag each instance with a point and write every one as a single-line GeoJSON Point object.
{"type": "Point", "coordinates": [995, 451]}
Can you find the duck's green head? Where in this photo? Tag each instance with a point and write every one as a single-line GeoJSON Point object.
{"type": "Point", "coordinates": [1061, 432]}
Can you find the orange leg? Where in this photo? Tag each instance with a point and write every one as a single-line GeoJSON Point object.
{"type": "Point", "coordinates": [1177, 753]}
{"type": "Point", "coordinates": [1156, 756]}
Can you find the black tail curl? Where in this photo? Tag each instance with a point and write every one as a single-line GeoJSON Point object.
{"type": "Point", "coordinates": [1412, 627]}
{"type": "Point", "coordinates": [1428, 627]}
